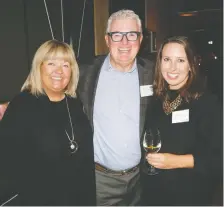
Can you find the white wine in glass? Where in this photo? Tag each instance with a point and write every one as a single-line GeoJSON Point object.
{"type": "Point", "coordinates": [151, 144]}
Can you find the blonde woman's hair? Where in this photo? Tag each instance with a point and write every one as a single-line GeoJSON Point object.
{"type": "Point", "coordinates": [52, 49]}
{"type": "Point", "coordinates": [124, 14]}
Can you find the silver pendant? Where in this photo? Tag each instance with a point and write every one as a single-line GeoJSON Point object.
{"type": "Point", "coordinates": [73, 146]}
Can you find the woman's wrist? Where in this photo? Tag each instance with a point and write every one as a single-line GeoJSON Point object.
{"type": "Point", "coordinates": [185, 161]}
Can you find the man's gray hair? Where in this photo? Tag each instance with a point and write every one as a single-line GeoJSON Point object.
{"type": "Point", "coordinates": [124, 14]}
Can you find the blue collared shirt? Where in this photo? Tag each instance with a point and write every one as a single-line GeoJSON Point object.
{"type": "Point", "coordinates": [116, 118]}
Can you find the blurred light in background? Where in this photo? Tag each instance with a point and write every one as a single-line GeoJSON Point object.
{"type": "Point", "coordinates": [188, 13]}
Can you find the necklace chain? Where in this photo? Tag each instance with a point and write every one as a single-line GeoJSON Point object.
{"type": "Point", "coordinates": [169, 107]}
{"type": "Point", "coordinates": [73, 143]}
{"type": "Point", "coordinates": [70, 120]}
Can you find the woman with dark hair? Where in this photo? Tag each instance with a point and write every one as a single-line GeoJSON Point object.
{"type": "Point", "coordinates": [190, 124]}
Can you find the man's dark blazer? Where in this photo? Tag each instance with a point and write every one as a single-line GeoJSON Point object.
{"type": "Point", "coordinates": [89, 75]}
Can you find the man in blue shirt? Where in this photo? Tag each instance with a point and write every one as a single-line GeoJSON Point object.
{"type": "Point", "coordinates": [115, 90]}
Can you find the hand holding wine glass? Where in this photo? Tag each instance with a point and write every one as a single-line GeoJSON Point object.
{"type": "Point", "coordinates": [151, 144]}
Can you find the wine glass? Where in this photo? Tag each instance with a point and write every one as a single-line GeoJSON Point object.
{"type": "Point", "coordinates": [151, 144]}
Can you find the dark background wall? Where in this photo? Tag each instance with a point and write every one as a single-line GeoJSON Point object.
{"type": "Point", "coordinates": [137, 6]}
{"type": "Point", "coordinates": [25, 26]}
{"type": "Point", "coordinates": [77, 24]}
{"type": "Point", "coordinates": [13, 44]}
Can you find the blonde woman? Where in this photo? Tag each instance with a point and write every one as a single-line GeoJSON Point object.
{"type": "Point", "coordinates": [46, 140]}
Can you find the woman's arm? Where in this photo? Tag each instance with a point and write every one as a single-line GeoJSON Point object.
{"type": "Point", "coordinates": [170, 161]}
{"type": "Point", "coordinates": [207, 155]}
{"type": "Point", "coordinates": [12, 128]}
{"type": "Point", "coordinates": [208, 149]}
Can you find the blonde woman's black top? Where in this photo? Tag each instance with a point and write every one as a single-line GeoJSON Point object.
{"type": "Point", "coordinates": [35, 153]}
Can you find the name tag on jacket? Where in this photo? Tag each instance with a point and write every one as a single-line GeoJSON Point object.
{"type": "Point", "coordinates": [146, 90]}
{"type": "Point", "coordinates": [180, 116]}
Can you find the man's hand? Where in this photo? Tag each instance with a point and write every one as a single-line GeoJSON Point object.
{"type": "Point", "coordinates": [3, 107]}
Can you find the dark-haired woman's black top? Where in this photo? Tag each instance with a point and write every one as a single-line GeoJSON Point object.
{"type": "Point", "coordinates": [35, 153]}
{"type": "Point", "coordinates": [200, 136]}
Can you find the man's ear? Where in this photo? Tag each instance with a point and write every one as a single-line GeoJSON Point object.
{"type": "Point", "coordinates": [141, 38]}
{"type": "Point", "coordinates": [107, 40]}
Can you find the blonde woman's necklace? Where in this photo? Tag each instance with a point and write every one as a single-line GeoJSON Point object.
{"type": "Point", "coordinates": [73, 144]}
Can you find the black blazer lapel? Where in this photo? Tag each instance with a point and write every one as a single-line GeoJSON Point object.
{"type": "Point", "coordinates": [88, 84]}
{"type": "Point", "coordinates": [145, 72]}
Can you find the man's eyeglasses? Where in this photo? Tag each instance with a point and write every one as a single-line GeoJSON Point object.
{"type": "Point", "coordinates": [118, 36]}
